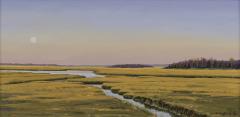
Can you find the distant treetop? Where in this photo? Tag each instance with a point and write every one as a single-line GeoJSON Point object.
{"type": "Point", "coordinates": [206, 63]}
{"type": "Point", "coordinates": [130, 66]}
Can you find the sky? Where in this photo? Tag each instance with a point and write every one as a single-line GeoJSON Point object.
{"type": "Point", "coordinates": [105, 32]}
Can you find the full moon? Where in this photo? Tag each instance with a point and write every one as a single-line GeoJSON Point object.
{"type": "Point", "coordinates": [33, 40]}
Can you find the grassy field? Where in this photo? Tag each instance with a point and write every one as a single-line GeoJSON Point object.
{"type": "Point", "coordinates": [159, 72]}
{"type": "Point", "coordinates": [211, 96]}
{"type": "Point", "coordinates": [15, 78]}
{"type": "Point", "coordinates": [155, 71]}
{"type": "Point", "coordinates": [211, 92]}
{"type": "Point", "coordinates": [38, 95]}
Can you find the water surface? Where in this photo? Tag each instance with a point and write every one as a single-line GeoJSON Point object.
{"type": "Point", "coordinates": [87, 74]}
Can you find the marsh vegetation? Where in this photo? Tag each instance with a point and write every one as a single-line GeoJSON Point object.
{"type": "Point", "coordinates": [38, 95]}
{"type": "Point", "coordinates": [184, 92]}
{"type": "Point", "coordinates": [204, 96]}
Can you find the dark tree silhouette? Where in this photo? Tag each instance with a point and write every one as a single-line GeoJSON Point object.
{"type": "Point", "coordinates": [206, 63]}
{"type": "Point", "coordinates": [130, 66]}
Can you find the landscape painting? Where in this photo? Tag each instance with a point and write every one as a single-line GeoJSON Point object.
{"type": "Point", "coordinates": [120, 58]}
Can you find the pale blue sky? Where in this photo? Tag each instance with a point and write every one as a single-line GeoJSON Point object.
{"type": "Point", "coordinates": [118, 31]}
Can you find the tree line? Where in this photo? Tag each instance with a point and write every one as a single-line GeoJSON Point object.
{"type": "Point", "coordinates": [206, 63]}
{"type": "Point", "coordinates": [130, 66]}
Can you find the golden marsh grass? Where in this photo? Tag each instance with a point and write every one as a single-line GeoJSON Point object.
{"type": "Point", "coordinates": [155, 71]}
{"type": "Point", "coordinates": [212, 96]}
{"type": "Point", "coordinates": [41, 97]}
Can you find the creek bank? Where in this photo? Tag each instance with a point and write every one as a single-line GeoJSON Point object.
{"type": "Point", "coordinates": [139, 105]}
{"type": "Point", "coordinates": [159, 105]}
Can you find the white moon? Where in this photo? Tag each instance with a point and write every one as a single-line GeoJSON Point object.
{"type": "Point", "coordinates": [33, 40]}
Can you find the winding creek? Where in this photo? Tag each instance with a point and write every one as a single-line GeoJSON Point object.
{"type": "Point", "coordinates": [91, 74]}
